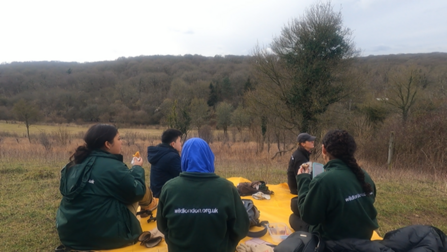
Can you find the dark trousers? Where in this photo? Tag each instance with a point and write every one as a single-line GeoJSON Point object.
{"type": "Point", "coordinates": [295, 220]}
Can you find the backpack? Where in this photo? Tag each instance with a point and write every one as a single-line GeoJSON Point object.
{"type": "Point", "coordinates": [250, 188]}
{"type": "Point", "coordinates": [301, 241]}
{"type": "Point", "coordinates": [253, 216]}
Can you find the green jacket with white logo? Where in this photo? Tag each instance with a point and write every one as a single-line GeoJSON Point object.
{"type": "Point", "coordinates": [93, 213]}
{"type": "Point", "coordinates": [335, 205]}
{"type": "Point", "coordinates": [201, 212]}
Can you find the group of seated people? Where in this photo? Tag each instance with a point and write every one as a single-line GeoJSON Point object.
{"type": "Point", "coordinates": [196, 209]}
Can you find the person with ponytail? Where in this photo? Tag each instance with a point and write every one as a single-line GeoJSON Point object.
{"type": "Point", "coordinates": [339, 203]}
{"type": "Point", "coordinates": [100, 194]}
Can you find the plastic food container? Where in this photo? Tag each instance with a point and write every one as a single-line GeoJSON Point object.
{"type": "Point", "coordinates": [279, 231]}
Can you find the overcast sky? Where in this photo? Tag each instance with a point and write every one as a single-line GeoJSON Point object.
{"type": "Point", "coordinates": [98, 30]}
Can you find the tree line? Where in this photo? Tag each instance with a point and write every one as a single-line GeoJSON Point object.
{"type": "Point", "coordinates": [309, 79]}
{"type": "Point", "coordinates": [144, 90]}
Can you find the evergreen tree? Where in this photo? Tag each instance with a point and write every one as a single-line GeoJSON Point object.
{"type": "Point", "coordinates": [305, 70]}
{"type": "Point", "coordinates": [213, 97]}
{"type": "Point", "coordinates": [248, 86]}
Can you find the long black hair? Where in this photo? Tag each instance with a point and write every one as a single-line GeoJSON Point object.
{"type": "Point", "coordinates": [95, 138]}
{"type": "Point", "coordinates": [341, 145]}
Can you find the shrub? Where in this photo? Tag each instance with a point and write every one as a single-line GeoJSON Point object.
{"type": "Point", "coordinates": [44, 140]}
{"type": "Point", "coordinates": [206, 133]}
{"type": "Point", "coordinates": [61, 135]}
{"type": "Point", "coordinates": [421, 144]}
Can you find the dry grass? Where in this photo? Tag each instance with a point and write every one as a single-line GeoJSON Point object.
{"type": "Point", "coordinates": [19, 128]}
{"type": "Point", "coordinates": [29, 182]}
{"type": "Point", "coordinates": [409, 197]}
{"type": "Point", "coordinates": [240, 159]}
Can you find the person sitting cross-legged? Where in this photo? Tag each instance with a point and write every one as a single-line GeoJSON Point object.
{"type": "Point", "coordinates": [338, 203]}
{"type": "Point", "coordinates": [198, 210]}
{"type": "Point", "coordinates": [100, 194]}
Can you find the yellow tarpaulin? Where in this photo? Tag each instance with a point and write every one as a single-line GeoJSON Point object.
{"type": "Point", "coordinates": [275, 210]}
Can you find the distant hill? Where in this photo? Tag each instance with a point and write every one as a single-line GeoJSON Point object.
{"type": "Point", "coordinates": [133, 90]}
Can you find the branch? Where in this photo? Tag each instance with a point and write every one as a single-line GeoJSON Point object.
{"type": "Point", "coordinates": [283, 151]}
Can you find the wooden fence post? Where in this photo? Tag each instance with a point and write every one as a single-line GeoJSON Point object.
{"type": "Point", "coordinates": [390, 150]}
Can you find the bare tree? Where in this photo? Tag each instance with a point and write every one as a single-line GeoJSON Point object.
{"type": "Point", "coordinates": [26, 112]}
{"type": "Point", "coordinates": [403, 92]}
{"type": "Point", "coordinates": [199, 112]}
{"type": "Point", "coordinates": [223, 113]}
{"type": "Point", "coordinates": [240, 118]}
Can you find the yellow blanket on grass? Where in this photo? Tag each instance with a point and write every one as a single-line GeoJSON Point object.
{"type": "Point", "coordinates": [275, 210]}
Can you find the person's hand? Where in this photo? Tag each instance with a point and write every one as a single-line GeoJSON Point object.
{"type": "Point", "coordinates": [304, 168]}
{"type": "Point", "coordinates": [137, 161]}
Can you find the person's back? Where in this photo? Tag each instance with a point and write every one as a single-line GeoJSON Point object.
{"type": "Point", "coordinates": [339, 203]}
{"type": "Point", "coordinates": [165, 160]}
{"type": "Point", "coordinates": [94, 213]}
{"type": "Point", "coordinates": [199, 211]}
{"type": "Point", "coordinates": [339, 207]}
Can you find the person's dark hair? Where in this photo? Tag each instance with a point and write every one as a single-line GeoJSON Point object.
{"type": "Point", "coordinates": [341, 145]}
{"type": "Point", "coordinates": [170, 135]}
{"type": "Point", "coordinates": [95, 138]}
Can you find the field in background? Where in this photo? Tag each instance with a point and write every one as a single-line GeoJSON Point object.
{"type": "Point", "coordinates": [19, 129]}
{"type": "Point", "coordinates": [29, 181]}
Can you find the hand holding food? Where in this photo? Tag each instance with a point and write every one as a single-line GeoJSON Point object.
{"type": "Point", "coordinates": [304, 168]}
{"type": "Point", "coordinates": [136, 160]}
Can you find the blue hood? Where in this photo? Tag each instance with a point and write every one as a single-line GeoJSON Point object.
{"type": "Point", "coordinates": [197, 156]}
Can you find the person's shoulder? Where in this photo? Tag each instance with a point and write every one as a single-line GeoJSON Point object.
{"type": "Point", "coordinates": [294, 155]}
{"type": "Point", "coordinates": [296, 152]}
{"type": "Point", "coordinates": [111, 162]}
{"type": "Point", "coordinates": [171, 153]}
{"type": "Point", "coordinates": [300, 153]}
{"type": "Point", "coordinates": [109, 159]}
{"type": "Point", "coordinates": [367, 176]}
{"type": "Point", "coordinates": [173, 182]}
{"type": "Point", "coordinates": [223, 182]}
{"type": "Point", "coordinates": [333, 177]}
{"type": "Point", "coordinates": [152, 148]}
{"type": "Point", "coordinates": [170, 157]}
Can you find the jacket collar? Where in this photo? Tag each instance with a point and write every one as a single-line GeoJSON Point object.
{"type": "Point", "coordinates": [165, 145]}
{"type": "Point", "coordinates": [305, 152]}
{"type": "Point", "coordinates": [105, 154]}
{"type": "Point", "coordinates": [335, 163]}
{"type": "Point", "coordinates": [198, 175]}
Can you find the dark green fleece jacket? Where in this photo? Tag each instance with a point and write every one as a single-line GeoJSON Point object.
{"type": "Point", "coordinates": [335, 205]}
{"type": "Point", "coordinates": [93, 212]}
{"type": "Point", "coordinates": [201, 212]}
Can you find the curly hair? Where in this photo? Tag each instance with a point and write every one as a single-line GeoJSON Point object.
{"type": "Point", "coordinates": [341, 145]}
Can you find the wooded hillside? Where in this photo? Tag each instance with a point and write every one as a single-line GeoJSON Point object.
{"type": "Point", "coordinates": [135, 90]}
{"type": "Point", "coordinates": [405, 94]}
{"type": "Point", "coordinates": [127, 90]}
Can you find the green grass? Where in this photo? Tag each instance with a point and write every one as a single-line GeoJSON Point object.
{"type": "Point", "coordinates": [29, 197]}
{"type": "Point", "coordinates": [402, 203]}
{"type": "Point", "coordinates": [29, 186]}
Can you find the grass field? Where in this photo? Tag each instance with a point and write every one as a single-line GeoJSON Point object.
{"type": "Point", "coordinates": [29, 183]}
{"type": "Point", "coordinates": [19, 129]}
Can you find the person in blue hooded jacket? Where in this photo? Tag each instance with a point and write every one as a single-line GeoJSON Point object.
{"type": "Point", "coordinates": [198, 210]}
